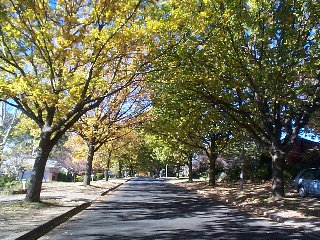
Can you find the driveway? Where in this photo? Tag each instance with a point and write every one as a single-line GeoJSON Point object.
{"type": "Point", "coordinates": [154, 209]}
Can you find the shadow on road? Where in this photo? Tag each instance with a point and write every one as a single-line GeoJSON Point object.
{"type": "Point", "coordinates": [148, 209]}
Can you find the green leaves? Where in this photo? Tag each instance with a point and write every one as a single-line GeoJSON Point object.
{"type": "Point", "coordinates": [254, 61]}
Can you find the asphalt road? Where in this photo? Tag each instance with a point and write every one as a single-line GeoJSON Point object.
{"type": "Point", "coordinates": [155, 209]}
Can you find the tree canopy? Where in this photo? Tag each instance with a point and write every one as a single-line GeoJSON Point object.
{"type": "Point", "coordinates": [257, 61]}
{"type": "Point", "coordinates": [59, 59]}
{"type": "Point", "coordinates": [249, 65]}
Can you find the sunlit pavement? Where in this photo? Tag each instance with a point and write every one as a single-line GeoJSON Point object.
{"type": "Point", "coordinates": [155, 209]}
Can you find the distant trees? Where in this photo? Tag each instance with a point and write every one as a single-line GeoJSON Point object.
{"type": "Point", "coordinates": [115, 117]}
{"type": "Point", "coordinates": [188, 126]}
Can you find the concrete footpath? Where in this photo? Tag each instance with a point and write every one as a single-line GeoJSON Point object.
{"type": "Point", "coordinates": [60, 201]}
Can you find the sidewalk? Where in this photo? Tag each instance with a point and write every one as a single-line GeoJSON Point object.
{"type": "Point", "coordinates": [18, 217]}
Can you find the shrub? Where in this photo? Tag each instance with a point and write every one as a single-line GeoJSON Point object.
{"type": "Point", "coordinates": [6, 181]}
{"type": "Point", "coordinates": [264, 173]}
{"type": "Point", "coordinates": [99, 176]}
{"type": "Point", "coordinates": [79, 178]}
{"type": "Point", "coordinates": [219, 169]}
{"type": "Point", "coordinates": [9, 185]}
{"type": "Point", "coordinates": [233, 174]}
{"type": "Point", "coordinates": [63, 177]}
{"type": "Point", "coordinates": [201, 172]}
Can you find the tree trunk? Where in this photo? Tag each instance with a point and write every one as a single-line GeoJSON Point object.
{"type": "Point", "coordinates": [213, 155]}
{"type": "Point", "coordinates": [106, 171]}
{"type": "Point", "coordinates": [212, 169]}
{"type": "Point", "coordinates": [120, 170]}
{"type": "Point", "coordinates": [278, 159]}
{"type": "Point", "coordinates": [178, 170]}
{"type": "Point", "coordinates": [43, 151]}
{"type": "Point", "coordinates": [88, 171]}
{"type": "Point", "coordinates": [190, 167]}
{"type": "Point", "coordinates": [106, 174]}
{"type": "Point", "coordinates": [131, 171]}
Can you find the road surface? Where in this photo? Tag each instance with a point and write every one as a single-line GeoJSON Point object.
{"type": "Point", "coordinates": [155, 209]}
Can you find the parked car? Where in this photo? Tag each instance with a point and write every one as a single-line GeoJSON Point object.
{"type": "Point", "coordinates": [307, 182]}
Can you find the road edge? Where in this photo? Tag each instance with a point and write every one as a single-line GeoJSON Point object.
{"type": "Point", "coordinates": [55, 222]}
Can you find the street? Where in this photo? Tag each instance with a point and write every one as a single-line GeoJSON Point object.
{"type": "Point", "coordinates": [154, 209]}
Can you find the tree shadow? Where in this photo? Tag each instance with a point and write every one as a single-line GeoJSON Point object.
{"type": "Point", "coordinates": [158, 210]}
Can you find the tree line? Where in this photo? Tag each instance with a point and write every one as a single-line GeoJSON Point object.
{"type": "Point", "coordinates": [201, 73]}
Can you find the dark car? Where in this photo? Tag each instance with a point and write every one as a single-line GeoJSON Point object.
{"type": "Point", "coordinates": [307, 182]}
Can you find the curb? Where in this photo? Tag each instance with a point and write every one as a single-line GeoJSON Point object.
{"type": "Point", "coordinates": [48, 226]}
{"type": "Point", "coordinates": [55, 222]}
{"type": "Point", "coordinates": [260, 213]}
{"type": "Point", "coordinates": [254, 210]}
{"type": "Point", "coordinates": [113, 188]}
{"type": "Point", "coordinates": [248, 209]}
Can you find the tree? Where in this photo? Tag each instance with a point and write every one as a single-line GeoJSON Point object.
{"type": "Point", "coordinates": [257, 62]}
{"type": "Point", "coordinates": [196, 131]}
{"type": "Point", "coordinates": [77, 152]}
{"type": "Point", "coordinates": [141, 152]}
{"type": "Point", "coordinates": [107, 150]}
{"type": "Point", "coordinates": [154, 153]}
{"type": "Point", "coordinates": [247, 156]}
{"type": "Point", "coordinates": [59, 59]}
{"type": "Point", "coordinates": [269, 68]}
{"type": "Point", "coordinates": [114, 118]}
{"type": "Point", "coordinates": [312, 130]}
{"type": "Point", "coordinates": [186, 123]}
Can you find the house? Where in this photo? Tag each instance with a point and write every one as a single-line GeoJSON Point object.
{"type": "Point", "coordinates": [52, 170]}
{"type": "Point", "coordinates": [305, 152]}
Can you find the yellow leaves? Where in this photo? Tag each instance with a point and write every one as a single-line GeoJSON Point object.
{"type": "Point", "coordinates": [252, 5]}
{"type": "Point", "coordinates": [54, 47]}
{"type": "Point", "coordinates": [204, 14]}
{"type": "Point", "coordinates": [95, 33]}
{"type": "Point", "coordinates": [25, 124]}
{"type": "Point", "coordinates": [62, 42]}
{"type": "Point", "coordinates": [77, 147]}
{"type": "Point", "coordinates": [82, 20]}
{"type": "Point", "coordinates": [7, 28]}
{"type": "Point", "coordinates": [5, 90]}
